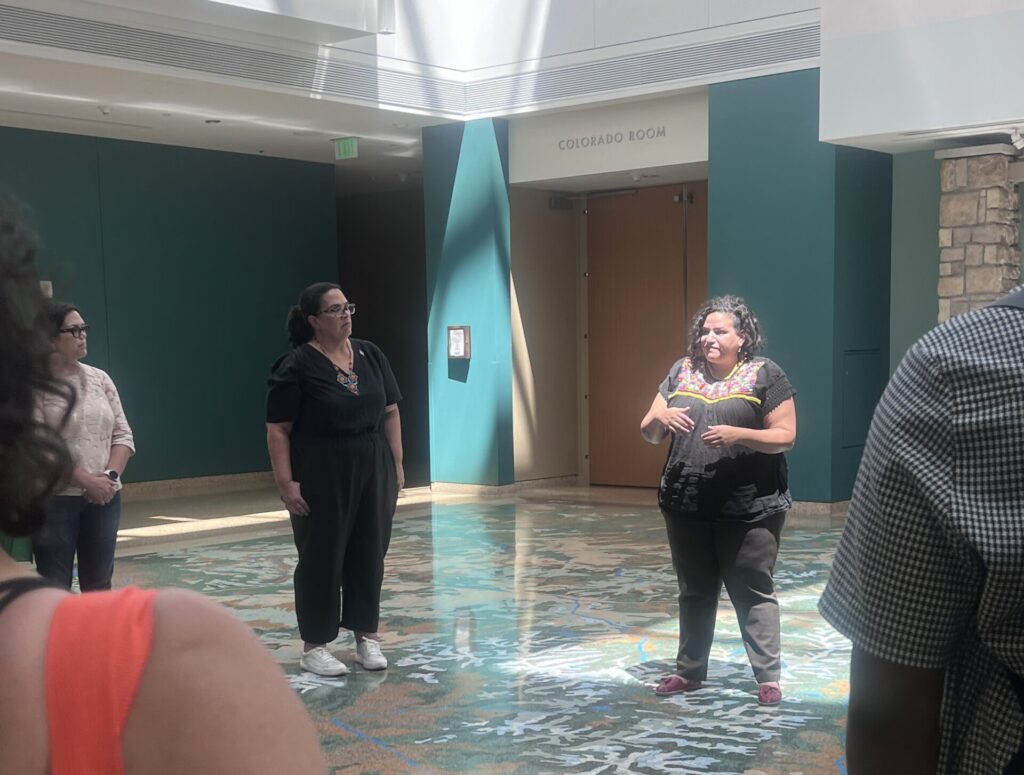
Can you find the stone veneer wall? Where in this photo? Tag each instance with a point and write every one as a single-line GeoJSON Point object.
{"type": "Point", "coordinates": [979, 222]}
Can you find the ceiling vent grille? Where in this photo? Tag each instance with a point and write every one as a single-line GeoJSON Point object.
{"type": "Point", "coordinates": [701, 62]}
{"type": "Point", "coordinates": [304, 73]}
{"type": "Point", "coordinates": [697, 63]}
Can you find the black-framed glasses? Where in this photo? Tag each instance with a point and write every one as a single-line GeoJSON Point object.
{"type": "Point", "coordinates": [76, 331]}
{"type": "Point", "coordinates": [339, 310]}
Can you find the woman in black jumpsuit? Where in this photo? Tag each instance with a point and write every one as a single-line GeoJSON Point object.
{"type": "Point", "coordinates": [335, 441]}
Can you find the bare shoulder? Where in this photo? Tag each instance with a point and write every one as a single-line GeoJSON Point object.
{"type": "Point", "coordinates": [212, 700]}
{"type": "Point", "coordinates": [23, 732]}
{"type": "Point", "coordinates": [188, 619]}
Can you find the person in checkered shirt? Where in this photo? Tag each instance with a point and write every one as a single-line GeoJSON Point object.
{"type": "Point", "coordinates": [928, 580]}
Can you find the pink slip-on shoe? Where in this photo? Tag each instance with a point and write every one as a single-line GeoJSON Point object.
{"type": "Point", "coordinates": [675, 684]}
{"type": "Point", "coordinates": [769, 695]}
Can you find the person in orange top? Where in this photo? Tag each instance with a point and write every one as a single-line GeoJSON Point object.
{"type": "Point", "coordinates": [114, 682]}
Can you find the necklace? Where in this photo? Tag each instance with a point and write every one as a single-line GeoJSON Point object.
{"type": "Point", "coordinates": [347, 379]}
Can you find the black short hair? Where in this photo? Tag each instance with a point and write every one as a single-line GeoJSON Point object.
{"type": "Point", "coordinates": [56, 313]}
{"type": "Point", "coordinates": [33, 459]}
{"type": "Point", "coordinates": [299, 329]}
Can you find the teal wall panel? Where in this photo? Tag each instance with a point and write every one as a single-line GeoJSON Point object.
{"type": "Point", "coordinates": [771, 239]}
{"type": "Point", "coordinates": [863, 204]}
{"type": "Point", "coordinates": [198, 255]}
{"type": "Point", "coordinates": [467, 233]}
{"type": "Point", "coordinates": [801, 229]}
{"type": "Point", "coordinates": [205, 252]}
{"type": "Point", "coordinates": [56, 177]}
{"type": "Point", "coordinates": [915, 251]}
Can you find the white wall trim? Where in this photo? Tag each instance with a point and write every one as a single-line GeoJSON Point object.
{"type": "Point", "coordinates": [674, 41]}
{"type": "Point", "coordinates": [198, 485]}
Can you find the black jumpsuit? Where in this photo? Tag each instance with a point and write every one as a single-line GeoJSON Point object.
{"type": "Point", "coordinates": [346, 471]}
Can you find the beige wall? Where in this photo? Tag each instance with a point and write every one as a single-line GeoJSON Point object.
{"type": "Point", "coordinates": [545, 338]}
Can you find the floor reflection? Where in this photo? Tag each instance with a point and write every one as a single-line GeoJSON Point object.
{"type": "Point", "coordinates": [526, 638]}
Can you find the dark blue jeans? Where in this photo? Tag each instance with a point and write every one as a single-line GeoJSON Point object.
{"type": "Point", "coordinates": [73, 524]}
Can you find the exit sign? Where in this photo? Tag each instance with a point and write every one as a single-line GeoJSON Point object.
{"type": "Point", "coordinates": [346, 148]}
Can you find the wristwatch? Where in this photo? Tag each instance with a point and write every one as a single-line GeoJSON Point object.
{"type": "Point", "coordinates": [115, 477]}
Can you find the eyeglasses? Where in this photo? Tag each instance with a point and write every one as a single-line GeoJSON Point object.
{"type": "Point", "coordinates": [76, 331]}
{"type": "Point", "coordinates": [339, 310]}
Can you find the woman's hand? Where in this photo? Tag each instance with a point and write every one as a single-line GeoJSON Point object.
{"type": "Point", "coordinates": [723, 435]}
{"type": "Point", "coordinates": [99, 489]}
{"type": "Point", "coordinates": [400, 474]}
{"type": "Point", "coordinates": [291, 496]}
{"type": "Point", "coordinates": [661, 420]}
{"type": "Point", "coordinates": [676, 419]}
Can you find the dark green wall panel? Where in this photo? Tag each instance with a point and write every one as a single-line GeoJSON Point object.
{"type": "Point", "coordinates": [192, 258]}
{"type": "Point", "coordinates": [57, 177]}
{"type": "Point", "coordinates": [801, 229]}
{"type": "Point", "coordinates": [863, 201]}
{"type": "Point", "coordinates": [771, 240]}
{"type": "Point", "coordinates": [205, 252]}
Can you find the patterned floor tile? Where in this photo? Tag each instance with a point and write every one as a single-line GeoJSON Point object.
{"type": "Point", "coordinates": [526, 638]}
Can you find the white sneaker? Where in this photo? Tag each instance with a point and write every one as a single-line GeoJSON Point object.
{"type": "Point", "coordinates": [368, 655]}
{"type": "Point", "coordinates": [322, 662]}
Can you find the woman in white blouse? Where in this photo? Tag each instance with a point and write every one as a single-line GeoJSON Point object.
{"type": "Point", "coordinates": [83, 518]}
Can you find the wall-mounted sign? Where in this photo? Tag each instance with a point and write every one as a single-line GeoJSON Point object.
{"type": "Point", "coordinates": [458, 342]}
{"type": "Point", "coordinates": [627, 136]}
{"type": "Point", "coordinates": [346, 148]}
{"type": "Point", "coordinates": [638, 135]}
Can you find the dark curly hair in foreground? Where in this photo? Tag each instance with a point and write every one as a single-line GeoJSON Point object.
{"type": "Point", "coordinates": [33, 459]}
{"type": "Point", "coordinates": [743, 320]}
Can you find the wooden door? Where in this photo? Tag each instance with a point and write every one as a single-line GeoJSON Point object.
{"type": "Point", "coordinates": [647, 263]}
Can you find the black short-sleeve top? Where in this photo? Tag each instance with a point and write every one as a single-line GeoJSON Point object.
{"type": "Point", "coordinates": [732, 483]}
{"type": "Point", "coordinates": [306, 390]}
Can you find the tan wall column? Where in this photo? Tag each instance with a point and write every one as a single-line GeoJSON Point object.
{"type": "Point", "coordinates": [979, 225]}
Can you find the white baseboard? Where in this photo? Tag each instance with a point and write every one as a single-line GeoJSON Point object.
{"type": "Point", "coordinates": [498, 491]}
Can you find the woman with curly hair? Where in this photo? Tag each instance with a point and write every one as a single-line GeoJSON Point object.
{"type": "Point", "coordinates": [113, 682]}
{"type": "Point", "coordinates": [729, 416]}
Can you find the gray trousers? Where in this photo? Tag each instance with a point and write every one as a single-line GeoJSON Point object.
{"type": "Point", "coordinates": [741, 554]}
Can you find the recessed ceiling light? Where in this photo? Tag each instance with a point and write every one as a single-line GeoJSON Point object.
{"type": "Point", "coordinates": [212, 121]}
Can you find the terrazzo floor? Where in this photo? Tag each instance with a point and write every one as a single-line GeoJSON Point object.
{"type": "Point", "coordinates": [526, 638]}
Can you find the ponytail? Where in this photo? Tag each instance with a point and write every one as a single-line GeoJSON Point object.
{"type": "Point", "coordinates": [299, 329]}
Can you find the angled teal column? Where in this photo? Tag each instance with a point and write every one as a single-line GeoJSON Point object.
{"type": "Point", "coordinates": [466, 206]}
{"type": "Point", "coordinates": [801, 229]}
